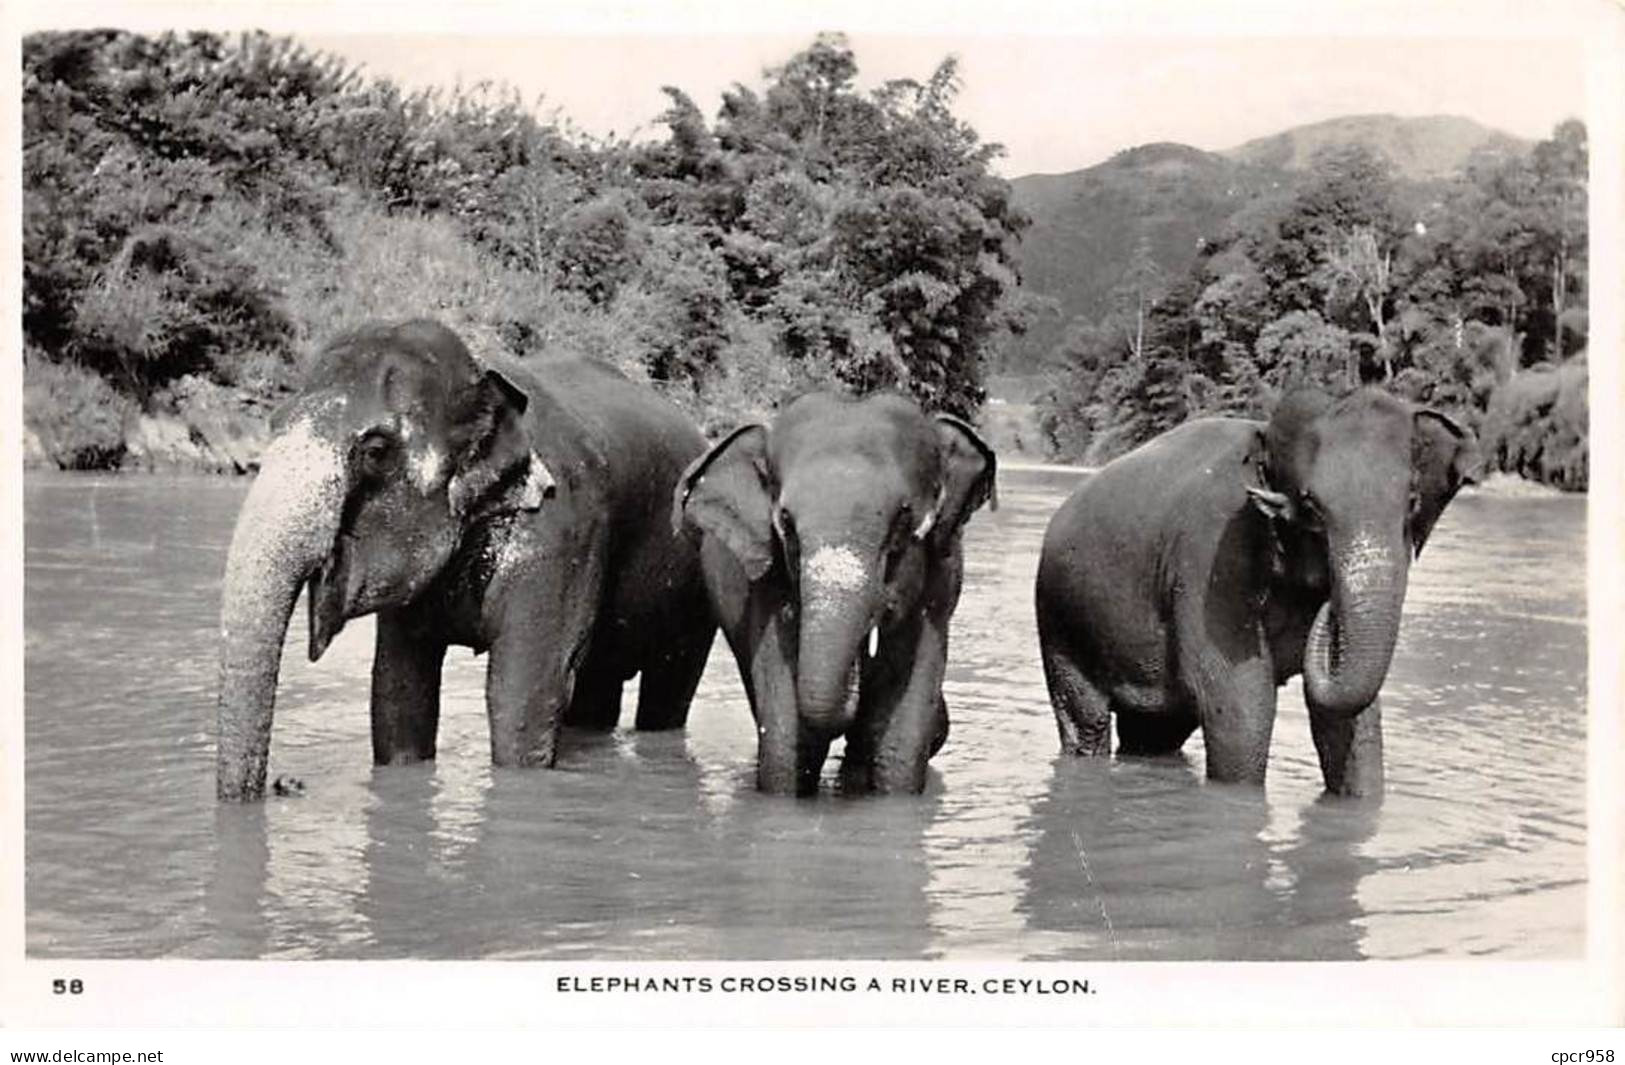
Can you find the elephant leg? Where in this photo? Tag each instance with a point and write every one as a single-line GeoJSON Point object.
{"type": "Point", "coordinates": [1162, 732]}
{"type": "Point", "coordinates": [789, 759]}
{"type": "Point", "coordinates": [667, 687]}
{"type": "Point", "coordinates": [1350, 749]}
{"type": "Point", "coordinates": [1224, 669]}
{"type": "Point", "coordinates": [1082, 711]}
{"type": "Point", "coordinates": [530, 682]}
{"type": "Point", "coordinates": [405, 689]}
{"type": "Point", "coordinates": [1237, 711]}
{"type": "Point", "coordinates": [526, 700]}
{"type": "Point", "coordinates": [596, 701]}
{"type": "Point", "coordinates": [858, 763]}
{"type": "Point", "coordinates": [811, 752]}
{"type": "Point", "coordinates": [902, 715]}
{"type": "Point", "coordinates": [939, 735]}
{"type": "Point", "coordinates": [542, 628]}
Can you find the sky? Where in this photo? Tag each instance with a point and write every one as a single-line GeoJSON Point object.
{"type": "Point", "coordinates": [1062, 84]}
{"type": "Point", "coordinates": [1057, 102]}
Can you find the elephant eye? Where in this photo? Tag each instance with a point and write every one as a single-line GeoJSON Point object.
{"type": "Point", "coordinates": [375, 452]}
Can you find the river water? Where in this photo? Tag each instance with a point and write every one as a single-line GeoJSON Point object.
{"type": "Point", "coordinates": [657, 846]}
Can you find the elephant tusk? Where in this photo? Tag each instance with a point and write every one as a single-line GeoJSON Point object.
{"type": "Point", "coordinates": [539, 484]}
{"type": "Point", "coordinates": [929, 522]}
{"type": "Point", "coordinates": [874, 641]}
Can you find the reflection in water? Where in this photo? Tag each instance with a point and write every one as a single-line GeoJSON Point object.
{"type": "Point", "coordinates": [235, 903]}
{"type": "Point", "coordinates": [1326, 863]}
{"type": "Point", "coordinates": [1143, 859]}
{"type": "Point", "coordinates": [657, 845]}
{"type": "Point", "coordinates": [549, 870]}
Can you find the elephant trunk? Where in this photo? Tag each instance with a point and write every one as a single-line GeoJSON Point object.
{"type": "Point", "coordinates": [837, 614]}
{"type": "Point", "coordinates": [1351, 641]}
{"type": "Point", "coordinates": [287, 526]}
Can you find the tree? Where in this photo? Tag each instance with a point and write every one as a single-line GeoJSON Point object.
{"type": "Point", "coordinates": [1357, 268]}
{"type": "Point", "coordinates": [1560, 167]}
{"type": "Point", "coordinates": [1441, 294]}
{"type": "Point", "coordinates": [1301, 349]}
{"type": "Point", "coordinates": [885, 206]}
{"type": "Point", "coordinates": [1136, 295]}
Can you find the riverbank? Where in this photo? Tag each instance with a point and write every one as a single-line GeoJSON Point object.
{"type": "Point", "coordinates": [208, 429]}
{"type": "Point", "coordinates": [211, 429]}
{"type": "Point", "coordinates": [1511, 486]}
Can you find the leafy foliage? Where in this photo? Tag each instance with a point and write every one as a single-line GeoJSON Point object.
{"type": "Point", "coordinates": [198, 208]}
{"type": "Point", "coordinates": [78, 419]}
{"type": "Point", "coordinates": [1537, 426]}
{"type": "Point", "coordinates": [1345, 279]}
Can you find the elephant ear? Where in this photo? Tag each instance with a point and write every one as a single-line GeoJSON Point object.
{"type": "Point", "coordinates": [1273, 504]}
{"type": "Point", "coordinates": [1283, 451]}
{"type": "Point", "coordinates": [725, 494]}
{"type": "Point", "coordinates": [969, 472]}
{"type": "Point", "coordinates": [494, 466]}
{"type": "Point", "coordinates": [1444, 456]}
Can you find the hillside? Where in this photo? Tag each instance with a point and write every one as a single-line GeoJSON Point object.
{"type": "Point", "coordinates": [1419, 149]}
{"type": "Point", "coordinates": [1087, 223]}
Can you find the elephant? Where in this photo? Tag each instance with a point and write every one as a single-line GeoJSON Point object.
{"type": "Point", "coordinates": [1180, 585]}
{"type": "Point", "coordinates": [516, 507]}
{"type": "Point", "coordinates": [831, 548]}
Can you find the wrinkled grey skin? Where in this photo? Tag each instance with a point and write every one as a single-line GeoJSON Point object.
{"type": "Point", "coordinates": [519, 509]}
{"type": "Point", "coordinates": [831, 547]}
{"type": "Point", "coordinates": [1180, 585]}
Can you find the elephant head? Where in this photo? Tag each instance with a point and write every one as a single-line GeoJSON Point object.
{"type": "Point", "coordinates": [397, 442]}
{"type": "Point", "coordinates": [1354, 486]}
{"type": "Point", "coordinates": [845, 508]}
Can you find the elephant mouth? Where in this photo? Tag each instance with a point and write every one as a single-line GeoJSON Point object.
{"type": "Point", "coordinates": [329, 596]}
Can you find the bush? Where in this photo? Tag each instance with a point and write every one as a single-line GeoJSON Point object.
{"type": "Point", "coordinates": [598, 248]}
{"type": "Point", "coordinates": [79, 420]}
{"type": "Point", "coordinates": [200, 210]}
{"type": "Point", "coordinates": [171, 304]}
{"type": "Point", "coordinates": [410, 265]}
{"type": "Point", "coordinates": [750, 383]}
{"type": "Point", "coordinates": [1537, 426]}
{"type": "Point", "coordinates": [1300, 350]}
{"type": "Point", "coordinates": [1069, 412]}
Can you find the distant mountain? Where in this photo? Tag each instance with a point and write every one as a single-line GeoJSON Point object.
{"type": "Point", "coordinates": [1086, 224]}
{"type": "Point", "coordinates": [1419, 149]}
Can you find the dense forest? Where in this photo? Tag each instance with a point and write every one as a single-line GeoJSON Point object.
{"type": "Point", "coordinates": [202, 210]}
{"type": "Point", "coordinates": [1173, 198]}
{"type": "Point", "coordinates": [1468, 295]}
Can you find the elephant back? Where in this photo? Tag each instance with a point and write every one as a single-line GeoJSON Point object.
{"type": "Point", "coordinates": [616, 433]}
{"type": "Point", "coordinates": [1157, 485]}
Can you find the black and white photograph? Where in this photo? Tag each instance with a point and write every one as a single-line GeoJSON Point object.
{"type": "Point", "coordinates": [701, 503]}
